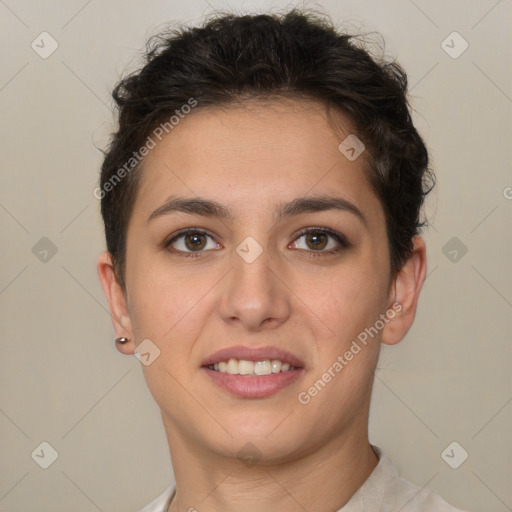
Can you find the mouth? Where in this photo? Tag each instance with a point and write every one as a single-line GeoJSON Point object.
{"type": "Point", "coordinates": [253, 368]}
{"type": "Point", "coordinates": [249, 372]}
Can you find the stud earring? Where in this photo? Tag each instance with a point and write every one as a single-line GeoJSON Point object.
{"type": "Point", "coordinates": [122, 340]}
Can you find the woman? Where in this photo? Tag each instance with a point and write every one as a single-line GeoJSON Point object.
{"type": "Point", "coordinates": [261, 200]}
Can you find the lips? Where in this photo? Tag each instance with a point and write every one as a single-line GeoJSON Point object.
{"type": "Point", "coordinates": [250, 385]}
{"type": "Point", "coordinates": [253, 354]}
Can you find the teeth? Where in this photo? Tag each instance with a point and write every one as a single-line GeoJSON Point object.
{"type": "Point", "coordinates": [276, 366]}
{"type": "Point", "coordinates": [263, 368]}
{"type": "Point", "coordinates": [244, 367]}
{"type": "Point", "coordinates": [232, 367]}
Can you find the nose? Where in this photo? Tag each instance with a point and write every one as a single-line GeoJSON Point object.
{"type": "Point", "coordinates": [255, 295]}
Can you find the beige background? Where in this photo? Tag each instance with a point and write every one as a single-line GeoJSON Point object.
{"type": "Point", "coordinates": [62, 380]}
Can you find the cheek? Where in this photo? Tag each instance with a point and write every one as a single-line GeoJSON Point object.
{"type": "Point", "coordinates": [169, 308]}
{"type": "Point", "coordinates": [345, 308]}
{"type": "Point", "coordinates": [167, 301]}
{"type": "Point", "coordinates": [344, 299]}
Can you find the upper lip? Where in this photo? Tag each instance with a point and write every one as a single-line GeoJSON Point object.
{"type": "Point", "coordinates": [253, 354]}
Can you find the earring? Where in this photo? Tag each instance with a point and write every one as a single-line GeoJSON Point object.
{"type": "Point", "coordinates": [122, 340]}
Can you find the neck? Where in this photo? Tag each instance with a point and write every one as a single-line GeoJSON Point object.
{"type": "Point", "coordinates": [324, 479]}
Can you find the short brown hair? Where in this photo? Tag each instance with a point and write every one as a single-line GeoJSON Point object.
{"type": "Point", "coordinates": [298, 54]}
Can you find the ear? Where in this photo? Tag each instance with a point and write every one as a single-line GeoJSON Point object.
{"type": "Point", "coordinates": [405, 292]}
{"type": "Point", "coordinates": [117, 302]}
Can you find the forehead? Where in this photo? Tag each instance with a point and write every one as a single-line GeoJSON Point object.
{"type": "Point", "coordinates": [283, 127]}
{"type": "Point", "coordinates": [253, 154]}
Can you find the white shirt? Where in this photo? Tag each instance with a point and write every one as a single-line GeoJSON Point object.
{"type": "Point", "coordinates": [383, 491]}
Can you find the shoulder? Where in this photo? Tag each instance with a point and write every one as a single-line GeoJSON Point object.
{"type": "Point", "coordinates": [161, 503]}
{"type": "Point", "coordinates": [412, 498]}
{"type": "Point", "coordinates": [401, 494]}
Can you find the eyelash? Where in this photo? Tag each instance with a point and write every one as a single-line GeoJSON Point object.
{"type": "Point", "coordinates": [341, 239]}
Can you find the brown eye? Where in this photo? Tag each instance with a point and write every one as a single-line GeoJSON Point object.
{"type": "Point", "coordinates": [321, 241]}
{"type": "Point", "coordinates": [195, 241]}
{"type": "Point", "coordinates": [316, 240]}
{"type": "Point", "coordinates": [192, 241]}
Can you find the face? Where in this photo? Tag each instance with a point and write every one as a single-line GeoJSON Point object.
{"type": "Point", "coordinates": [254, 238]}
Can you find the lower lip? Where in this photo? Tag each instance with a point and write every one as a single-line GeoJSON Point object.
{"type": "Point", "coordinates": [246, 386]}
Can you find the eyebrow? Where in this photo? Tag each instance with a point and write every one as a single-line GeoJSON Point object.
{"type": "Point", "coordinates": [299, 205]}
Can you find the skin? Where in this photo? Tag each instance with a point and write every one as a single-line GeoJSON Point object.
{"type": "Point", "coordinates": [252, 158]}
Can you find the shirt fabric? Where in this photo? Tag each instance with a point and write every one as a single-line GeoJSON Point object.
{"type": "Point", "coordinates": [383, 491]}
